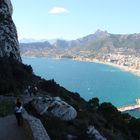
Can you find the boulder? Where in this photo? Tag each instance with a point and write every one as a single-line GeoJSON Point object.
{"type": "Point", "coordinates": [92, 132]}
{"type": "Point", "coordinates": [54, 106]}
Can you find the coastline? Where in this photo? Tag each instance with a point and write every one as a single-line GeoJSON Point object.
{"type": "Point", "coordinates": [124, 68]}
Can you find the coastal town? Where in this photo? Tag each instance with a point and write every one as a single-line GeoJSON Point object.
{"type": "Point", "coordinates": [123, 58]}
{"type": "Point", "coordinates": [128, 60]}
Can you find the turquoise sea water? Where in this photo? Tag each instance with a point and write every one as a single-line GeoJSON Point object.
{"type": "Point", "coordinates": [89, 79]}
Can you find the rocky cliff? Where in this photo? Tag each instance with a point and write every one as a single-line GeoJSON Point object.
{"type": "Point", "coordinates": [9, 46]}
{"type": "Point", "coordinates": [12, 71]}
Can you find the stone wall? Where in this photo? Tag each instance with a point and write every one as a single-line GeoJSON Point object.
{"type": "Point", "coordinates": [34, 128]}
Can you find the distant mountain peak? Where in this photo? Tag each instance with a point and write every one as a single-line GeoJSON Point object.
{"type": "Point", "coordinates": [100, 32]}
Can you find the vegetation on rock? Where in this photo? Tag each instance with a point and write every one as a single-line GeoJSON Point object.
{"type": "Point", "coordinates": [13, 76]}
{"type": "Point", "coordinates": [111, 123]}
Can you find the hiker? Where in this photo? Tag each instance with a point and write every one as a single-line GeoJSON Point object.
{"type": "Point", "coordinates": [30, 90]}
{"type": "Point", "coordinates": [18, 111]}
{"type": "Point", "coordinates": [35, 90]}
{"type": "Point", "coordinates": [26, 92]}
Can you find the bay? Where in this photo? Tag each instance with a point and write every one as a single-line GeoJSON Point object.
{"type": "Point", "coordinates": [89, 79]}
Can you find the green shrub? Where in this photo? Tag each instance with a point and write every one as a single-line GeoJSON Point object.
{"type": "Point", "coordinates": [6, 108]}
{"type": "Point", "coordinates": [13, 75]}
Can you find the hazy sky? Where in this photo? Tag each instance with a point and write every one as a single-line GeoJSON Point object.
{"type": "Point", "coordinates": [71, 19]}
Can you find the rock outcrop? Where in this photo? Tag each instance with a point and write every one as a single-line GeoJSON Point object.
{"type": "Point", "coordinates": [54, 106]}
{"type": "Point", "coordinates": [9, 45]}
{"type": "Point", "coordinates": [92, 132]}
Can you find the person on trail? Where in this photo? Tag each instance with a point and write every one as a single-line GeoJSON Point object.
{"type": "Point", "coordinates": [35, 90]}
{"type": "Point", "coordinates": [18, 111]}
{"type": "Point", "coordinates": [30, 89]}
{"type": "Point", "coordinates": [26, 92]}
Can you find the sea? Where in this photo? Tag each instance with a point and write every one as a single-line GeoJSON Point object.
{"type": "Point", "coordinates": [108, 83]}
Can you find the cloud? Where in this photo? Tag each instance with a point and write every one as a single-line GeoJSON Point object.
{"type": "Point", "coordinates": [58, 10]}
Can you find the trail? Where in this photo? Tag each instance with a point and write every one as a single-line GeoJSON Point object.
{"type": "Point", "coordinates": [9, 130]}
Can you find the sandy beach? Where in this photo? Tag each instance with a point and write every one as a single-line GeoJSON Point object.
{"type": "Point", "coordinates": [125, 68]}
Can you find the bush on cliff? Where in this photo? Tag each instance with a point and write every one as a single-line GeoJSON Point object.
{"type": "Point", "coordinates": [13, 75]}
{"type": "Point", "coordinates": [54, 89]}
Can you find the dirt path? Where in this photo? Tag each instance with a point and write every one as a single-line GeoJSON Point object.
{"type": "Point", "coordinates": [9, 130]}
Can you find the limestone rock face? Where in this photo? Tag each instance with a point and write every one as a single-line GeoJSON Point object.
{"type": "Point", "coordinates": [9, 45]}
{"type": "Point", "coordinates": [55, 106]}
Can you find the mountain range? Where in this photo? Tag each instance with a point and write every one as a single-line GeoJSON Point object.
{"type": "Point", "coordinates": [101, 42]}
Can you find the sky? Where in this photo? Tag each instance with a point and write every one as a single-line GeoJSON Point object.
{"type": "Point", "coordinates": [72, 19]}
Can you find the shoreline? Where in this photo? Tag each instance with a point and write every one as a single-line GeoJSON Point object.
{"type": "Point", "coordinates": [124, 68]}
